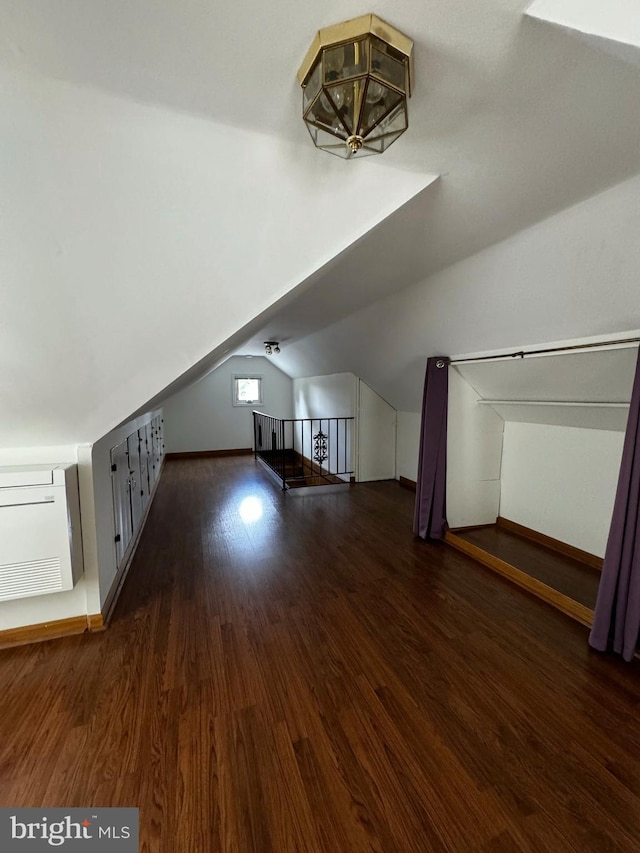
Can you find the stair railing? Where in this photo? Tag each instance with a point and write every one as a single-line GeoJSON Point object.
{"type": "Point", "coordinates": [296, 449]}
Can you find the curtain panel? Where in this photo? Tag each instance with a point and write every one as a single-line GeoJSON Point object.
{"type": "Point", "coordinates": [430, 510]}
{"type": "Point", "coordinates": [616, 623]}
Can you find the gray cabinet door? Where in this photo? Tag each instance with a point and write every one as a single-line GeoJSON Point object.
{"type": "Point", "coordinates": [153, 467]}
{"type": "Point", "coordinates": [135, 476]}
{"type": "Point", "coordinates": [145, 464]}
{"type": "Point", "coordinates": [121, 489]}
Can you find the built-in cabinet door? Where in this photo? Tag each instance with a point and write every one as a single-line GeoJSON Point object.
{"type": "Point", "coordinates": [158, 441]}
{"type": "Point", "coordinates": [153, 468]}
{"type": "Point", "coordinates": [156, 444]}
{"type": "Point", "coordinates": [148, 443]}
{"type": "Point", "coordinates": [135, 466]}
{"type": "Point", "coordinates": [143, 450]}
{"type": "Point", "coordinates": [135, 475]}
{"type": "Point", "coordinates": [160, 432]}
{"type": "Point", "coordinates": [120, 484]}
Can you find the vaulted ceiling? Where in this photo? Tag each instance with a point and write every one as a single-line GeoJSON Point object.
{"type": "Point", "coordinates": [162, 205]}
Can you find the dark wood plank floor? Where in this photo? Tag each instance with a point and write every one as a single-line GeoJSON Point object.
{"type": "Point", "coordinates": [299, 674]}
{"type": "Point", "coordinates": [570, 577]}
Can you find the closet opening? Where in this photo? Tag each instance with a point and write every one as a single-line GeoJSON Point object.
{"type": "Point", "coordinates": [533, 457]}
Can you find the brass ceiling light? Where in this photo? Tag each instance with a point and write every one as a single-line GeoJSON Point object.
{"type": "Point", "coordinates": [356, 80]}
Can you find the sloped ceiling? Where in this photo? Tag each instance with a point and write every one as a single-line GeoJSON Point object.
{"type": "Point", "coordinates": [135, 239]}
{"type": "Point", "coordinates": [160, 203]}
{"type": "Point", "coordinates": [588, 388]}
{"type": "Point", "coordinates": [586, 376]}
{"type": "Point", "coordinates": [613, 26]}
{"type": "Point", "coordinates": [574, 275]}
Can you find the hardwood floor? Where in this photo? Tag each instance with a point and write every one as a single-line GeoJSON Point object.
{"type": "Point", "coordinates": [300, 674]}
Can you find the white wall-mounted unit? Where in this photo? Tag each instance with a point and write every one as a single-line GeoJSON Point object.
{"type": "Point", "coordinates": [40, 539]}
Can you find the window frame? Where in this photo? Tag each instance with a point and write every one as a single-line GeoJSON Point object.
{"type": "Point", "coordinates": [242, 404]}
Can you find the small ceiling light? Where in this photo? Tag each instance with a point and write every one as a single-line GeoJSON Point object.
{"type": "Point", "coordinates": [356, 80]}
{"type": "Point", "coordinates": [271, 347]}
{"type": "Point", "coordinates": [276, 349]}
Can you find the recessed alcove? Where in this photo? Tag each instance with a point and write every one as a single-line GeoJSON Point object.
{"type": "Point", "coordinates": [534, 449]}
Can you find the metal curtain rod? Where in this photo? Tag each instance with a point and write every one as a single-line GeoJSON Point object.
{"type": "Point", "coordinates": [522, 353]}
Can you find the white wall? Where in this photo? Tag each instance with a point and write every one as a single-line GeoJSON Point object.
{"type": "Point", "coordinates": [474, 448]}
{"type": "Point", "coordinates": [376, 437]}
{"type": "Point", "coordinates": [561, 481]}
{"type": "Point", "coordinates": [203, 417]}
{"type": "Point", "coordinates": [332, 396]}
{"type": "Point", "coordinates": [408, 445]}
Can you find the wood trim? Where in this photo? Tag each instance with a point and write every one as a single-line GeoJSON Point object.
{"type": "Point", "coordinates": [95, 622]}
{"type": "Point", "coordinates": [406, 483]}
{"type": "Point", "coordinates": [207, 454]}
{"type": "Point", "coordinates": [555, 544]}
{"type": "Point", "coordinates": [43, 631]}
{"type": "Point", "coordinates": [470, 527]}
{"type": "Point", "coordinates": [561, 602]}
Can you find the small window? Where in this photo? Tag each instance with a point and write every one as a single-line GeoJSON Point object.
{"type": "Point", "coordinates": [247, 390]}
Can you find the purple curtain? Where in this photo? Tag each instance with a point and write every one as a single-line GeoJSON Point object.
{"type": "Point", "coordinates": [616, 623]}
{"type": "Point", "coordinates": [429, 520]}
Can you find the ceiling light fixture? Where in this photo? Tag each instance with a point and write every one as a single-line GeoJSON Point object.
{"type": "Point", "coordinates": [356, 80]}
{"type": "Point", "coordinates": [271, 347]}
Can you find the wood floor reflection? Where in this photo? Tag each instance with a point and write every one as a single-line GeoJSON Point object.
{"type": "Point", "coordinates": [297, 673]}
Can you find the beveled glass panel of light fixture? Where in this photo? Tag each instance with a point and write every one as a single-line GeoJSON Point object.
{"type": "Point", "coordinates": [333, 145]}
{"type": "Point", "coordinates": [329, 142]}
{"type": "Point", "coordinates": [356, 80]}
{"type": "Point", "coordinates": [374, 111]}
{"type": "Point", "coordinates": [387, 64]}
{"type": "Point", "coordinates": [322, 113]}
{"type": "Point", "coordinates": [345, 61]}
{"type": "Point", "coordinates": [346, 99]}
{"type": "Point", "coordinates": [381, 143]}
{"type": "Point", "coordinates": [313, 86]}
{"type": "Point", "coordinates": [394, 122]}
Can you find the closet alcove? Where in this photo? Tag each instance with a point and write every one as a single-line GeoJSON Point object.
{"type": "Point", "coordinates": [534, 450]}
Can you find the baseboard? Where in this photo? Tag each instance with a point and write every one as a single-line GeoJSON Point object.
{"type": "Point", "coordinates": [541, 590]}
{"type": "Point", "coordinates": [121, 575]}
{"type": "Point", "coordinates": [43, 631]}
{"type": "Point", "coordinates": [555, 544]}
{"type": "Point", "coordinates": [406, 483]}
{"type": "Point", "coordinates": [209, 454]}
{"type": "Point", "coordinates": [95, 623]}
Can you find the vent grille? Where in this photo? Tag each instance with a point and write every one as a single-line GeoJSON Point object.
{"type": "Point", "coordinates": [36, 577]}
